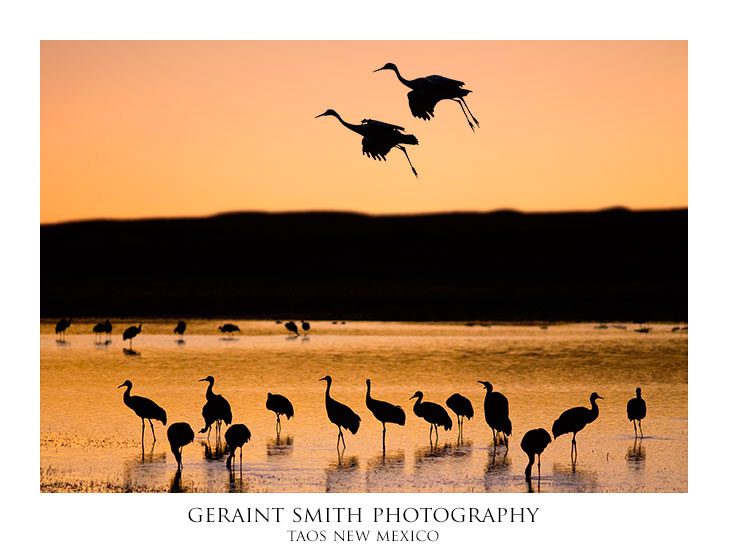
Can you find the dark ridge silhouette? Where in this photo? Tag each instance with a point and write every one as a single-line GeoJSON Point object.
{"type": "Point", "coordinates": [533, 444]}
{"type": "Point", "coordinates": [180, 328]}
{"type": "Point", "coordinates": [378, 138]}
{"type": "Point", "coordinates": [574, 420]}
{"type": "Point", "coordinates": [340, 414]}
{"type": "Point", "coordinates": [292, 327]}
{"type": "Point", "coordinates": [428, 91]}
{"type": "Point", "coordinates": [229, 329]}
{"type": "Point", "coordinates": [384, 412]}
{"type": "Point", "coordinates": [216, 409]}
{"type": "Point", "coordinates": [496, 413]}
{"type": "Point", "coordinates": [636, 411]}
{"type": "Point", "coordinates": [61, 327]}
{"type": "Point", "coordinates": [144, 409]}
{"type": "Point", "coordinates": [236, 436]}
{"type": "Point", "coordinates": [432, 413]}
{"type": "Point", "coordinates": [473, 267]}
{"type": "Point", "coordinates": [130, 333]}
{"type": "Point", "coordinates": [280, 405]}
{"type": "Point", "coordinates": [462, 407]}
{"type": "Point", "coordinates": [179, 435]}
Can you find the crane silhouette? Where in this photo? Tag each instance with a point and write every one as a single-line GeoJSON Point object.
{"type": "Point", "coordinates": [236, 436]}
{"type": "Point", "coordinates": [428, 91]}
{"type": "Point", "coordinates": [340, 414]}
{"type": "Point", "coordinates": [384, 412]}
{"type": "Point", "coordinates": [144, 408]}
{"type": "Point", "coordinates": [216, 409]}
{"type": "Point", "coordinates": [130, 333]}
{"type": "Point", "coordinates": [496, 413]}
{"type": "Point", "coordinates": [533, 444]}
{"type": "Point", "coordinates": [229, 329]}
{"type": "Point", "coordinates": [305, 326]}
{"type": "Point", "coordinates": [103, 328]}
{"type": "Point", "coordinates": [61, 327]}
{"type": "Point", "coordinates": [179, 435]}
{"type": "Point", "coordinates": [180, 328]}
{"type": "Point", "coordinates": [292, 327]}
{"type": "Point", "coordinates": [378, 138]}
{"type": "Point", "coordinates": [463, 408]}
{"type": "Point", "coordinates": [636, 411]}
{"type": "Point", "coordinates": [432, 413]}
{"type": "Point", "coordinates": [281, 406]}
{"type": "Point", "coordinates": [574, 420]}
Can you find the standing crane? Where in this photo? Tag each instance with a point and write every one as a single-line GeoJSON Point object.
{"type": "Point", "coordinates": [305, 326]}
{"type": "Point", "coordinates": [378, 138]}
{"type": "Point", "coordinates": [292, 327]}
{"type": "Point", "coordinates": [236, 436]}
{"type": "Point", "coordinates": [229, 329]}
{"type": "Point", "coordinates": [180, 328]}
{"type": "Point", "coordinates": [340, 414]}
{"type": "Point", "coordinates": [636, 411]}
{"type": "Point", "coordinates": [61, 327]}
{"type": "Point", "coordinates": [533, 444]}
{"type": "Point", "coordinates": [426, 92]}
{"type": "Point", "coordinates": [179, 435]}
{"type": "Point", "coordinates": [574, 420]}
{"type": "Point", "coordinates": [280, 405]}
{"type": "Point", "coordinates": [384, 412]}
{"type": "Point", "coordinates": [496, 413]}
{"type": "Point", "coordinates": [144, 408]}
{"type": "Point", "coordinates": [216, 409]}
{"type": "Point", "coordinates": [130, 333]}
{"type": "Point", "coordinates": [432, 413]}
{"type": "Point", "coordinates": [102, 328]}
{"type": "Point", "coordinates": [463, 408]}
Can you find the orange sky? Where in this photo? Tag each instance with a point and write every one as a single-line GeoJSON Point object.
{"type": "Point", "coordinates": [137, 129]}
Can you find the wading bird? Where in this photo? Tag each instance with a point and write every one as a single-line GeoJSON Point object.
{"type": "Point", "coordinates": [432, 413]}
{"type": "Point", "coordinates": [103, 328]}
{"type": "Point", "coordinates": [533, 444]}
{"type": "Point", "coordinates": [574, 420]}
{"type": "Point", "coordinates": [305, 326]}
{"type": "Point", "coordinates": [292, 327]}
{"type": "Point", "coordinates": [229, 329]}
{"type": "Point", "coordinates": [428, 91]}
{"type": "Point", "coordinates": [180, 328]}
{"type": "Point", "coordinates": [130, 333]}
{"type": "Point", "coordinates": [281, 406]}
{"type": "Point", "coordinates": [340, 414]}
{"type": "Point", "coordinates": [378, 138]}
{"type": "Point", "coordinates": [144, 408]}
{"type": "Point", "coordinates": [216, 409]}
{"type": "Point", "coordinates": [462, 407]}
{"type": "Point", "coordinates": [496, 413]}
{"type": "Point", "coordinates": [61, 327]}
{"type": "Point", "coordinates": [179, 435]}
{"type": "Point", "coordinates": [384, 412]}
{"type": "Point", "coordinates": [236, 436]}
{"type": "Point", "coordinates": [636, 410]}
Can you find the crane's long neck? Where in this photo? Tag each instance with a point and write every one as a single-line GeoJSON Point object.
{"type": "Point", "coordinates": [367, 395]}
{"type": "Point", "coordinates": [327, 392]}
{"type": "Point", "coordinates": [209, 392]}
{"type": "Point", "coordinates": [408, 83]}
{"type": "Point", "coordinates": [417, 405]}
{"type": "Point", "coordinates": [356, 128]}
{"type": "Point", "coordinates": [594, 410]}
{"type": "Point", "coordinates": [127, 396]}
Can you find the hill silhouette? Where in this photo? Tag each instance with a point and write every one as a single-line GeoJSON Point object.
{"type": "Point", "coordinates": [608, 265]}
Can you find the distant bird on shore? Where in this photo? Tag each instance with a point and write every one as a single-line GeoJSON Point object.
{"type": "Point", "coordinates": [496, 413]}
{"type": "Point", "coordinates": [340, 414]}
{"type": "Point", "coordinates": [280, 405]}
{"type": "Point", "coordinates": [61, 327]}
{"type": "Point", "coordinates": [378, 137]}
{"type": "Point", "coordinates": [462, 407]}
{"type": "Point", "coordinates": [229, 329]}
{"type": "Point", "coordinates": [533, 444]}
{"type": "Point", "coordinates": [428, 91]}
{"type": "Point", "coordinates": [103, 328]}
{"type": "Point", "coordinates": [236, 436]}
{"type": "Point", "coordinates": [180, 328]}
{"type": "Point", "coordinates": [305, 326]}
{"type": "Point", "coordinates": [384, 412]}
{"type": "Point", "coordinates": [636, 411]}
{"type": "Point", "coordinates": [292, 327]}
{"type": "Point", "coordinates": [130, 333]}
{"type": "Point", "coordinates": [432, 413]}
{"type": "Point", "coordinates": [179, 435]}
{"type": "Point", "coordinates": [144, 408]}
{"type": "Point", "coordinates": [216, 409]}
{"type": "Point", "coordinates": [574, 420]}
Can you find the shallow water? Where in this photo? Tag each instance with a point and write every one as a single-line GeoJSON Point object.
{"type": "Point", "coordinates": [90, 441]}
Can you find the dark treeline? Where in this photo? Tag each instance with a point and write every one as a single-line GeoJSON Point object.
{"type": "Point", "coordinates": [607, 265]}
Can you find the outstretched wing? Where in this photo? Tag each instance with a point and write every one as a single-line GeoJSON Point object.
{"type": "Point", "coordinates": [375, 149]}
{"type": "Point", "coordinates": [443, 81]}
{"type": "Point", "coordinates": [421, 106]}
{"type": "Point", "coordinates": [385, 126]}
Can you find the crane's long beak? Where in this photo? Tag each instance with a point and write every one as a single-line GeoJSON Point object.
{"type": "Point", "coordinates": [203, 380]}
{"type": "Point", "coordinates": [323, 378]}
{"type": "Point", "coordinates": [483, 383]}
{"type": "Point", "coordinates": [600, 397]}
{"type": "Point", "coordinates": [319, 116]}
{"type": "Point", "coordinates": [121, 385]}
{"type": "Point", "coordinates": [413, 396]}
{"type": "Point", "coordinates": [378, 69]}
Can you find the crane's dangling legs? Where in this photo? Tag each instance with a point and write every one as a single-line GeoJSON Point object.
{"type": "Point", "coordinates": [154, 439]}
{"type": "Point", "coordinates": [407, 158]}
{"type": "Point", "coordinates": [383, 438]}
{"type": "Point", "coordinates": [471, 125]}
{"type": "Point", "coordinates": [143, 433]}
{"type": "Point", "coordinates": [472, 115]}
{"type": "Point", "coordinates": [278, 424]}
{"type": "Point", "coordinates": [642, 432]}
{"type": "Point", "coordinates": [636, 434]}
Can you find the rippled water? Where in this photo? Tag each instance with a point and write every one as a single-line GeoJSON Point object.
{"type": "Point", "coordinates": [90, 441]}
